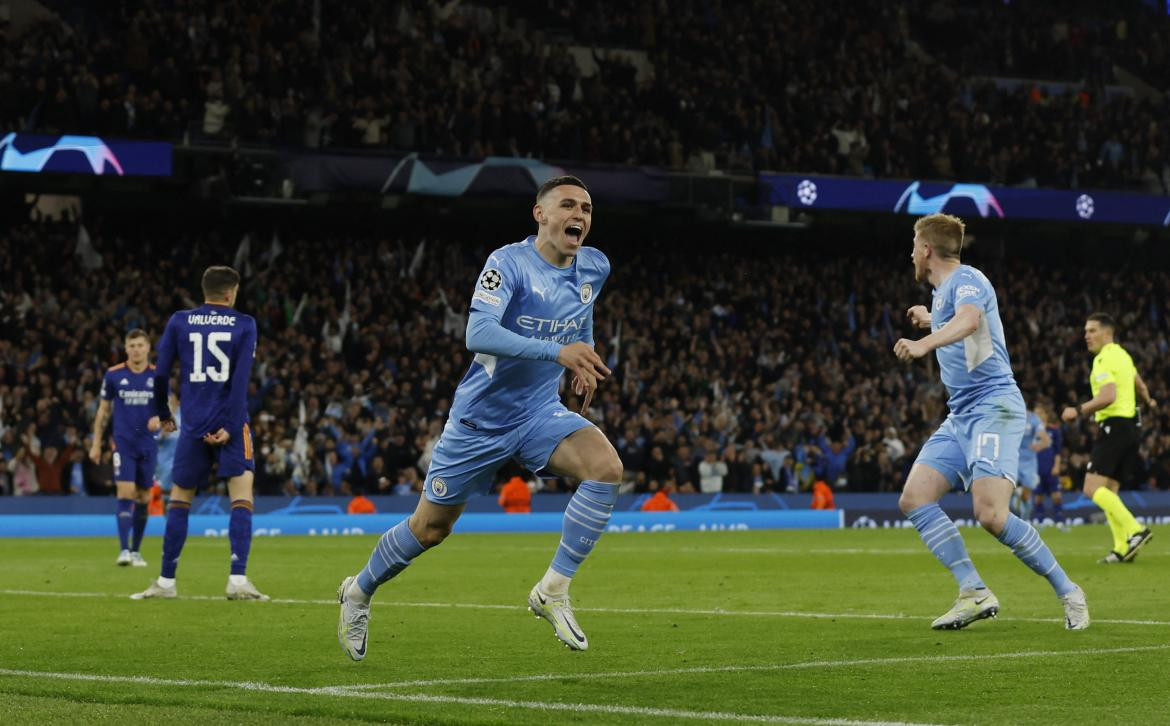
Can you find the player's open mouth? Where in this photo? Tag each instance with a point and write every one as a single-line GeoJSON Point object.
{"type": "Point", "coordinates": [574, 231]}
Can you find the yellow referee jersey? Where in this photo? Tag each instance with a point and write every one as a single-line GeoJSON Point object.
{"type": "Point", "coordinates": [1113, 365]}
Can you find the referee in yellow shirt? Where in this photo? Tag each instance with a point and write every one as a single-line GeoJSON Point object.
{"type": "Point", "coordinates": [1114, 380]}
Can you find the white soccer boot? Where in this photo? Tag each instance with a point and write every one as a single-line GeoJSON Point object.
{"type": "Point", "coordinates": [124, 558]}
{"type": "Point", "coordinates": [354, 624]}
{"type": "Point", "coordinates": [559, 612]}
{"type": "Point", "coordinates": [1076, 610]}
{"type": "Point", "coordinates": [156, 591]}
{"type": "Point", "coordinates": [246, 591]}
{"type": "Point", "coordinates": [971, 605]}
{"type": "Point", "coordinates": [136, 560]}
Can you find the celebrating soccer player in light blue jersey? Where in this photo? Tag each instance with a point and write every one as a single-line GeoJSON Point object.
{"type": "Point", "coordinates": [128, 393]}
{"type": "Point", "coordinates": [978, 445]}
{"type": "Point", "coordinates": [531, 318]}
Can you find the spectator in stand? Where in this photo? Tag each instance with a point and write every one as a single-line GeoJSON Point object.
{"type": "Point", "coordinates": [761, 479]}
{"type": "Point", "coordinates": [789, 480]}
{"type": "Point", "coordinates": [834, 451]}
{"type": "Point", "coordinates": [657, 469]}
{"type": "Point", "coordinates": [711, 473]}
{"type": "Point", "coordinates": [51, 466]}
{"type": "Point", "coordinates": [739, 472]}
{"type": "Point", "coordinates": [24, 473]}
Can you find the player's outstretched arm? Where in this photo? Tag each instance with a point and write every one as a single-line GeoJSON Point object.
{"type": "Point", "coordinates": [964, 323]}
{"type": "Point", "coordinates": [486, 335]}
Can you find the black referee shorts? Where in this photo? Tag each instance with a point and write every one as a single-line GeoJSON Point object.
{"type": "Point", "coordinates": [1115, 453]}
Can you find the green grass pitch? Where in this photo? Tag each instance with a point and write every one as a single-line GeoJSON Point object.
{"type": "Point", "coordinates": [827, 627]}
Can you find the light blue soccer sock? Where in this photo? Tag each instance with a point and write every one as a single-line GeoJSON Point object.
{"type": "Point", "coordinates": [941, 537]}
{"type": "Point", "coordinates": [394, 551]}
{"type": "Point", "coordinates": [1026, 544]}
{"type": "Point", "coordinates": [585, 519]}
{"type": "Point", "coordinates": [125, 521]}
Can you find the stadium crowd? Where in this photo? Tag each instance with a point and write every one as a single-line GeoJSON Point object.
{"type": "Point", "coordinates": [740, 371]}
{"type": "Point", "coordinates": [825, 86]}
{"type": "Point", "coordinates": [1075, 40]}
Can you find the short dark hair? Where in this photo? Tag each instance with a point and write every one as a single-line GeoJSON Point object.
{"type": "Point", "coordinates": [218, 281]}
{"type": "Point", "coordinates": [137, 333]}
{"type": "Point", "coordinates": [1105, 320]}
{"type": "Point", "coordinates": [559, 181]}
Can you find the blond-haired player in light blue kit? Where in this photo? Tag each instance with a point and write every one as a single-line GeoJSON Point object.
{"type": "Point", "coordinates": [977, 447]}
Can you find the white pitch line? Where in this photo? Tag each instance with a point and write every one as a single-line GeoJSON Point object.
{"type": "Point", "coordinates": [208, 598]}
{"type": "Point", "coordinates": [349, 692]}
{"type": "Point", "coordinates": [850, 663]}
{"type": "Point", "coordinates": [608, 611]}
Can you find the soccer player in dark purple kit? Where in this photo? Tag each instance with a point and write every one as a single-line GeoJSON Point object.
{"type": "Point", "coordinates": [215, 346]}
{"type": "Point", "coordinates": [128, 393]}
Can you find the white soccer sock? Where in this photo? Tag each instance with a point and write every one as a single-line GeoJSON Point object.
{"type": "Point", "coordinates": [238, 579]}
{"type": "Point", "coordinates": [554, 583]}
{"type": "Point", "coordinates": [166, 582]}
{"type": "Point", "coordinates": [355, 593]}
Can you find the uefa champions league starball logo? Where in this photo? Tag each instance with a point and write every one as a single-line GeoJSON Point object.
{"type": "Point", "coordinates": [806, 191]}
{"type": "Point", "coordinates": [1085, 206]}
{"type": "Point", "coordinates": [491, 279]}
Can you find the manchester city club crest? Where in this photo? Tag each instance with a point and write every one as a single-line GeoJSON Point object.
{"type": "Point", "coordinates": [439, 487]}
{"type": "Point", "coordinates": [586, 292]}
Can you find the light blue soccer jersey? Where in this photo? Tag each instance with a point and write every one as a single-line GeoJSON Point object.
{"type": "Point", "coordinates": [977, 367]}
{"type": "Point", "coordinates": [531, 297]}
{"type": "Point", "coordinates": [1028, 461]}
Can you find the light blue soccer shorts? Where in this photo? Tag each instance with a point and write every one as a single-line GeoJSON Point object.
{"type": "Point", "coordinates": [465, 460]}
{"type": "Point", "coordinates": [162, 469]}
{"type": "Point", "coordinates": [980, 442]}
